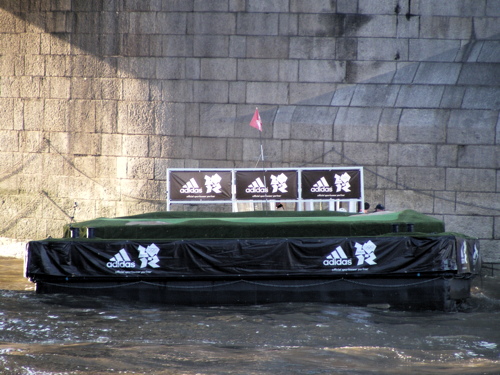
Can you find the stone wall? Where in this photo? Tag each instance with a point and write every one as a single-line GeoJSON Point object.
{"type": "Point", "coordinates": [99, 97]}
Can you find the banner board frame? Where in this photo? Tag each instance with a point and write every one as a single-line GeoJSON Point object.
{"type": "Point", "coordinates": [303, 186]}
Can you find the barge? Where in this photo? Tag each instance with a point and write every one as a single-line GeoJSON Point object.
{"type": "Point", "coordinates": [402, 259]}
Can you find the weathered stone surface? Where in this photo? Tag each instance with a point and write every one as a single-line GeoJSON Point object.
{"type": "Point", "coordinates": [422, 178]}
{"type": "Point", "coordinates": [412, 155]}
{"type": "Point", "coordinates": [472, 127]}
{"type": "Point", "coordinates": [122, 91]}
{"type": "Point", "coordinates": [423, 125]}
{"type": "Point", "coordinates": [470, 179]}
{"type": "Point", "coordinates": [356, 124]}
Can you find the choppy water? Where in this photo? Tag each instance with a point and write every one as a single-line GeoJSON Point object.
{"type": "Point", "coordinates": [59, 334]}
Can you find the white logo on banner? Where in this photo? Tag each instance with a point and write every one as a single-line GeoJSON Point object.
{"type": "Point", "coordinates": [337, 258]}
{"type": "Point", "coordinates": [464, 259]}
{"type": "Point", "coordinates": [191, 187]}
{"type": "Point", "coordinates": [366, 253]}
{"type": "Point", "coordinates": [342, 182]}
{"type": "Point", "coordinates": [475, 255]}
{"type": "Point", "coordinates": [212, 183]}
{"type": "Point", "coordinates": [256, 187]}
{"type": "Point", "coordinates": [279, 183]}
{"type": "Point", "coordinates": [120, 260]}
{"type": "Point", "coordinates": [149, 256]}
{"type": "Point", "coordinates": [321, 186]}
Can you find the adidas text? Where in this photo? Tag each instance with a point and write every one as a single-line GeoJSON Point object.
{"type": "Point", "coordinates": [256, 190]}
{"type": "Point", "coordinates": [324, 189]}
{"type": "Point", "coordinates": [337, 262]}
{"type": "Point", "coordinates": [120, 264]}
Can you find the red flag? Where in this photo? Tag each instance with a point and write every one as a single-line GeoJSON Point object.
{"type": "Point", "coordinates": [256, 121]}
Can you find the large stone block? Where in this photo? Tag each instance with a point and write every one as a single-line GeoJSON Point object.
{"type": "Point", "coordinates": [314, 94]}
{"type": "Point", "coordinates": [381, 49]}
{"type": "Point", "coordinates": [176, 148]}
{"type": "Point", "coordinates": [375, 95]}
{"type": "Point", "coordinates": [423, 125]}
{"type": "Point", "coordinates": [453, 8]}
{"type": "Point", "coordinates": [314, 123]}
{"type": "Point", "coordinates": [84, 143]}
{"type": "Point", "coordinates": [143, 22]}
{"type": "Point", "coordinates": [421, 201]}
{"type": "Point", "coordinates": [322, 71]}
{"type": "Point", "coordinates": [312, 48]}
{"type": "Point", "coordinates": [180, 91]}
{"type": "Point", "coordinates": [211, 91]}
{"type": "Point", "coordinates": [211, 23]}
{"type": "Point", "coordinates": [288, 70]}
{"type": "Point", "coordinates": [211, 46]}
{"type": "Point", "coordinates": [378, 7]}
{"type": "Point", "coordinates": [257, 24]}
{"type": "Point", "coordinates": [277, 6]}
{"type": "Point", "coordinates": [445, 27]}
{"type": "Point", "coordinates": [472, 127]}
{"type": "Point", "coordinates": [477, 203]}
{"type": "Point", "coordinates": [418, 155]}
{"type": "Point", "coordinates": [169, 118]}
{"type": "Point", "coordinates": [419, 96]}
{"type": "Point", "coordinates": [9, 141]}
{"type": "Point", "coordinates": [475, 226]}
{"type": "Point", "coordinates": [288, 24]}
{"type": "Point", "coordinates": [478, 156]}
{"type": "Point", "coordinates": [56, 115]}
{"type": "Point", "coordinates": [209, 148]}
{"type": "Point", "coordinates": [480, 74]}
{"type": "Point", "coordinates": [477, 97]}
{"type": "Point", "coordinates": [490, 52]}
{"type": "Point", "coordinates": [388, 125]}
{"type": "Point", "coordinates": [283, 122]}
{"type": "Point", "coordinates": [370, 71]}
{"type": "Point", "coordinates": [452, 97]}
{"type": "Point", "coordinates": [218, 69]}
{"type": "Point", "coordinates": [437, 73]}
{"type": "Point", "coordinates": [343, 94]}
{"type": "Point", "coordinates": [271, 47]}
{"type": "Point", "coordinates": [433, 49]}
{"type": "Point", "coordinates": [312, 6]}
{"type": "Point", "coordinates": [470, 179]}
{"type": "Point", "coordinates": [6, 114]}
{"type": "Point", "coordinates": [366, 153]}
{"type": "Point", "coordinates": [135, 145]}
{"type": "Point", "coordinates": [258, 70]}
{"type": "Point", "coordinates": [111, 145]}
{"type": "Point", "coordinates": [267, 92]}
{"type": "Point", "coordinates": [140, 168]}
{"type": "Point", "coordinates": [446, 156]}
{"type": "Point", "coordinates": [356, 124]}
{"type": "Point", "coordinates": [217, 120]}
{"type": "Point", "coordinates": [34, 114]}
{"type": "Point", "coordinates": [421, 178]}
{"type": "Point", "coordinates": [82, 115]}
{"type": "Point", "coordinates": [302, 152]}
{"type": "Point", "coordinates": [60, 87]}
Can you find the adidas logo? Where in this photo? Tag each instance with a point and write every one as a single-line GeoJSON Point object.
{"type": "Point", "coordinates": [321, 186]}
{"type": "Point", "coordinates": [191, 187]}
{"type": "Point", "coordinates": [337, 258]}
{"type": "Point", "coordinates": [257, 187]}
{"type": "Point", "coordinates": [121, 260]}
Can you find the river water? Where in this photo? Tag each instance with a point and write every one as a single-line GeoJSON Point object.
{"type": "Point", "coordinates": [75, 335]}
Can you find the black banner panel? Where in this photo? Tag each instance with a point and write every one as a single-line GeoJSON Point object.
{"type": "Point", "coordinates": [200, 186]}
{"type": "Point", "coordinates": [252, 258]}
{"type": "Point", "coordinates": [331, 184]}
{"type": "Point", "coordinates": [260, 184]}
